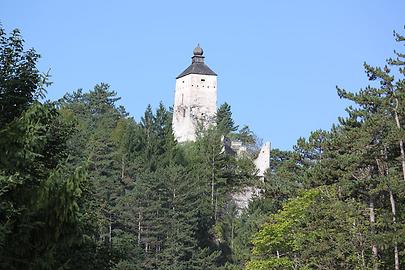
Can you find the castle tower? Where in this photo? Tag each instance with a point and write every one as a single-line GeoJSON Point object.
{"type": "Point", "coordinates": [195, 99]}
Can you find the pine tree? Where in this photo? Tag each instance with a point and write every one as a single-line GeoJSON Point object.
{"type": "Point", "coordinates": [379, 119]}
{"type": "Point", "coordinates": [38, 190]}
{"type": "Point", "coordinates": [224, 119]}
{"type": "Point", "coordinates": [21, 83]}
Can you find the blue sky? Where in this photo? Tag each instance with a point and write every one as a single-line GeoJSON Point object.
{"type": "Point", "coordinates": [278, 62]}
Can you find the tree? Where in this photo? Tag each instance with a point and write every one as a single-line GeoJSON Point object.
{"type": "Point", "coordinates": [357, 168]}
{"type": "Point", "coordinates": [225, 122]}
{"type": "Point", "coordinates": [314, 230]}
{"type": "Point", "coordinates": [379, 117]}
{"type": "Point", "coordinates": [246, 136]}
{"type": "Point", "coordinates": [102, 142]}
{"type": "Point", "coordinates": [21, 83]}
{"type": "Point", "coordinates": [39, 191]}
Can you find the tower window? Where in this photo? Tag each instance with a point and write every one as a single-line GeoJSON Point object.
{"type": "Point", "coordinates": [203, 80]}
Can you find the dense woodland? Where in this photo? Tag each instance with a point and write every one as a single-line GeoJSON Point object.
{"type": "Point", "coordinates": [83, 185]}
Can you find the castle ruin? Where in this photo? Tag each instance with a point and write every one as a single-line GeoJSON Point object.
{"type": "Point", "coordinates": [195, 103]}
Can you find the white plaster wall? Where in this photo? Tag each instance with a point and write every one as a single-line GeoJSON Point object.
{"type": "Point", "coordinates": [262, 161]}
{"type": "Point", "coordinates": [195, 100]}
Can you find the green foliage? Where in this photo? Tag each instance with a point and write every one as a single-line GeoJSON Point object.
{"type": "Point", "coordinates": [275, 236]}
{"type": "Point", "coordinates": [20, 81]}
{"type": "Point", "coordinates": [357, 168]}
{"type": "Point", "coordinates": [224, 119]}
{"type": "Point", "coordinates": [314, 230]}
{"type": "Point", "coordinates": [246, 136]}
{"type": "Point", "coordinates": [39, 192]}
{"type": "Point", "coordinates": [85, 186]}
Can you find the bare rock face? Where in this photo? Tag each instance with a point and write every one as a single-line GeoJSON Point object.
{"type": "Point", "coordinates": [244, 197]}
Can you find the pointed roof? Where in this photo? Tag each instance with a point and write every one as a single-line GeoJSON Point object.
{"type": "Point", "coordinates": [197, 65]}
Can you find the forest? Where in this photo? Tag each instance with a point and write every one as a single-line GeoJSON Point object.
{"type": "Point", "coordinates": [83, 185]}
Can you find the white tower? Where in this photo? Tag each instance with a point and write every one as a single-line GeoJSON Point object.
{"type": "Point", "coordinates": [195, 99]}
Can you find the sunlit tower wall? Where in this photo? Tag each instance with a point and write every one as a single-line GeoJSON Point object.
{"type": "Point", "coordinates": [195, 99]}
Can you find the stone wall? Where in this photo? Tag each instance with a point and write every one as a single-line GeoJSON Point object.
{"type": "Point", "coordinates": [262, 161]}
{"type": "Point", "coordinates": [195, 101]}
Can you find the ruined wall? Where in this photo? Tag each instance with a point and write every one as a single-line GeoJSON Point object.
{"type": "Point", "coordinates": [262, 161]}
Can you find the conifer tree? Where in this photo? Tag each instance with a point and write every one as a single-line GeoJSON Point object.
{"type": "Point", "coordinates": [21, 83]}
{"type": "Point", "coordinates": [39, 192]}
{"type": "Point", "coordinates": [224, 119]}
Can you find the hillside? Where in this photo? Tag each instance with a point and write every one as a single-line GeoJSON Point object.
{"type": "Point", "coordinates": [83, 185]}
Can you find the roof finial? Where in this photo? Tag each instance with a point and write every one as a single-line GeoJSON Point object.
{"type": "Point", "coordinates": [198, 50]}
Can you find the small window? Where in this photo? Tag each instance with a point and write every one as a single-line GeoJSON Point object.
{"type": "Point", "coordinates": [208, 86]}
{"type": "Point", "coordinates": [183, 81]}
{"type": "Point", "coordinates": [203, 80]}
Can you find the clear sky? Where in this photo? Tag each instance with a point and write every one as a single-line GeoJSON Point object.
{"type": "Point", "coordinates": [278, 62]}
